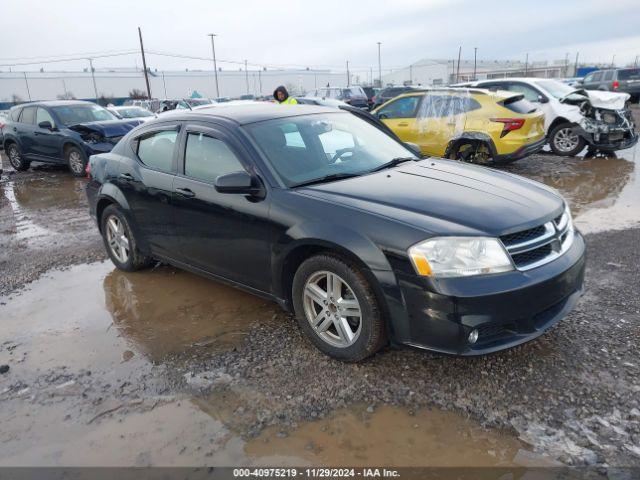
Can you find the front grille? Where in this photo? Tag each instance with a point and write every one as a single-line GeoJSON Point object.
{"type": "Point", "coordinates": [523, 236]}
{"type": "Point", "coordinates": [531, 256]}
{"type": "Point", "coordinates": [539, 245]}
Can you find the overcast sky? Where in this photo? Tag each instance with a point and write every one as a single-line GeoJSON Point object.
{"type": "Point", "coordinates": [318, 33]}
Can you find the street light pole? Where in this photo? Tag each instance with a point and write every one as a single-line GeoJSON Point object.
{"type": "Point", "coordinates": [526, 65]}
{"type": "Point", "coordinates": [26, 82]}
{"type": "Point", "coordinates": [215, 66]}
{"type": "Point", "coordinates": [144, 65]}
{"type": "Point", "coordinates": [575, 68]}
{"type": "Point", "coordinates": [379, 67]}
{"type": "Point", "coordinates": [246, 76]}
{"type": "Point", "coordinates": [348, 76]}
{"type": "Point", "coordinates": [475, 61]}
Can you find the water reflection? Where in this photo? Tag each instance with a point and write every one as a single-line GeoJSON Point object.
{"type": "Point", "coordinates": [165, 310]}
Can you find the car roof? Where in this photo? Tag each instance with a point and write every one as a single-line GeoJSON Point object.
{"type": "Point", "coordinates": [500, 94]}
{"type": "Point", "coordinates": [57, 103]}
{"type": "Point", "coordinates": [250, 112]}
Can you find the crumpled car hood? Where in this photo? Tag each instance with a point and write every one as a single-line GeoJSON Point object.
{"type": "Point", "coordinates": [108, 129]}
{"type": "Point", "coordinates": [608, 100]}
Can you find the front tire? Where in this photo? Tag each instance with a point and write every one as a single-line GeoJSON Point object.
{"type": "Point", "coordinates": [77, 161]}
{"type": "Point", "coordinates": [336, 308]}
{"type": "Point", "coordinates": [564, 141]}
{"type": "Point", "coordinates": [16, 159]}
{"type": "Point", "coordinates": [120, 242]}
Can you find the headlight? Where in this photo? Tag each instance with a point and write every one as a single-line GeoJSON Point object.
{"type": "Point", "coordinates": [459, 257]}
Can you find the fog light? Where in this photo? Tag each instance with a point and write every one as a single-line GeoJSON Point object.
{"type": "Point", "coordinates": [473, 336]}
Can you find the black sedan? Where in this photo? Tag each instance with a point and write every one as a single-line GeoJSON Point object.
{"type": "Point", "coordinates": [322, 212]}
{"type": "Point", "coordinates": [64, 131]}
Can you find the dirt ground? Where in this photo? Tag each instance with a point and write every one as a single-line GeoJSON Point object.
{"type": "Point", "coordinates": [161, 367]}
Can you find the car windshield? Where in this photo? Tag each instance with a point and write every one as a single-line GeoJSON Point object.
{"type": "Point", "coordinates": [134, 112]}
{"type": "Point", "coordinates": [555, 88]}
{"type": "Point", "coordinates": [74, 114]}
{"type": "Point", "coordinates": [309, 148]}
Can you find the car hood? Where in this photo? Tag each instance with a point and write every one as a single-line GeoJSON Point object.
{"type": "Point", "coordinates": [447, 197]}
{"type": "Point", "coordinates": [109, 128]}
{"type": "Point", "coordinates": [607, 100]}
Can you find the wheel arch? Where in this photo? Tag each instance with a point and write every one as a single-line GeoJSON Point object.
{"type": "Point", "coordinates": [352, 247]}
{"type": "Point", "coordinates": [558, 121]}
{"type": "Point", "coordinates": [109, 194]}
{"type": "Point", "coordinates": [67, 143]}
{"type": "Point", "coordinates": [482, 137]}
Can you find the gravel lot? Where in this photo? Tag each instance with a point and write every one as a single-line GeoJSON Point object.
{"type": "Point", "coordinates": [573, 394]}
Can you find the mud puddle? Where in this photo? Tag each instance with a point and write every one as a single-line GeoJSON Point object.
{"type": "Point", "coordinates": [44, 210]}
{"type": "Point", "coordinates": [90, 383]}
{"type": "Point", "coordinates": [603, 191]}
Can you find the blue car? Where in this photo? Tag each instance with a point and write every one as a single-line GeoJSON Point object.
{"type": "Point", "coordinates": [63, 132]}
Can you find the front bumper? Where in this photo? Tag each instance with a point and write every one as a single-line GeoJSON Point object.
{"type": "Point", "coordinates": [603, 142]}
{"type": "Point", "coordinates": [522, 152]}
{"type": "Point", "coordinates": [507, 309]}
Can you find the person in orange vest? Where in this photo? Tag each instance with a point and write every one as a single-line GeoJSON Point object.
{"type": "Point", "coordinates": [282, 96]}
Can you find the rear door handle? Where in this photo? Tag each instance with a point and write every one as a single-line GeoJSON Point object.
{"type": "Point", "coordinates": [185, 192]}
{"type": "Point", "coordinates": [126, 176]}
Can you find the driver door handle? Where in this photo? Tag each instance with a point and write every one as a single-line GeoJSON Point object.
{"type": "Point", "coordinates": [185, 192]}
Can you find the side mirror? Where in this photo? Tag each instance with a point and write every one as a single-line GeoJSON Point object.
{"type": "Point", "coordinates": [542, 99]}
{"type": "Point", "coordinates": [414, 148]}
{"type": "Point", "coordinates": [46, 125]}
{"type": "Point", "coordinates": [238, 182]}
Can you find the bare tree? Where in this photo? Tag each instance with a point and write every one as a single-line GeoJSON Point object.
{"type": "Point", "coordinates": [66, 96]}
{"type": "Point", "coordinates": [137, 94]}
{"type": "Point", "coordinates": [16, 99]}
{"type": "Point", "coordinates": [105, 100]}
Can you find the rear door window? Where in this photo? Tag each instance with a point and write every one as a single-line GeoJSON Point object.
{"type": "Point", "coordinates": [206, 158]}
{"type": "Point", "coordinates": [156, 150]}
{"type": "Point", "coordinates": [28, 115]}
{"type": "Point", "coordinates": [630, 74]}
{"type": "Point", "coordinates": [608, 76]}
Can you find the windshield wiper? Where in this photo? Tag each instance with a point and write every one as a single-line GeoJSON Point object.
{"type": "Point", "coordinates": [393, 162]}
{"type": "Point", "coordinates": [327, 178]}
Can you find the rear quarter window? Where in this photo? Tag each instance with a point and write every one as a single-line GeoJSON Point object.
{"type": "Point", "coordinates": [15, 114]}
{"type": "Point", "coordinates": [519, 105]}
{"type": "Point", "coordinates": [631, 74]}
{"type": "Point", "coordinates": [156, 149]}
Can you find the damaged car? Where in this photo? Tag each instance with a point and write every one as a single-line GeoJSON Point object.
{"type": "Point", "coordinates": [576, 118]}
{"type": "Point", "coordinates": [62, 132]}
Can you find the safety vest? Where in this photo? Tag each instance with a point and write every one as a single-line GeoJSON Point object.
{"type": "Point", "coordinates": [289, 101]}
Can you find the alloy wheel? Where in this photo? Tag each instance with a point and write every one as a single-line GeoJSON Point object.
{"type": "Point", "coordinates": [117, 239]}
{"type": "Point", "coordinates": [14, 157]}
{"type": "Point", "coordinates": [332, 309]}
{"type": "Point", "coordinates": [75, 162]}
{"type": "Point", "coordinates": [566, 140]}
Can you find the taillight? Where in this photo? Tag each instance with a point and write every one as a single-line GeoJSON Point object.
{"type": "Point", "coordinates": [87, 169]}
{"type": "Point", "coordinates": [616, 84]}
{"type": "Point", "coordinates": [509, 124]}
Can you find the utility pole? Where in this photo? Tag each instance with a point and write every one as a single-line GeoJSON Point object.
{"type": "Point", "coordinates": [348, 76]}
{"type": "Point", "coordinates": [164, 84]}
{"type": "Point", "coordinates": [144, 65]}
{"type": "Point", "coordinates": [379, 67]}
{"type": "Point", "coordinates": [215, 66]}
{"type": "Point", "coordinates": [613, 61]}
{"type": "Point", "coordinates": [260, 80]}
{"type": "Point", "coordinates": [575, 69]}
{"type": "Point", "coordinates": [475, 62]}
{"type": "Point", "coordinates": [246, 76]}
{"type": "Point", "coordinates": [458, 69]}
{"type": "Point", "coordinates": [526, 65]}
{"type": "Point", "coordinates": [27, 84]}
{"type": "Point", "coordinates": [93, 76]}
{"type": "Point", "coordinates": [64, 87]}
{"type": "Point", "coordinates": [566, 64]}
{"type": "Point", "coordinates": [635, 64]}
{"type": "Point", "coordinates": [411, 74]}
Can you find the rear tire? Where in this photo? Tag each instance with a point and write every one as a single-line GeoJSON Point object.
{"type": "Point", "coordinates": [121, 244]}
{"type": "Point", "coordinates": [16, 159]}
{"type": "Point", "coordinates": [564, 141]}
{"type": "Point", "coordinates": [337, 309]}
{"type": "Point", "coordinates": [77, 161]}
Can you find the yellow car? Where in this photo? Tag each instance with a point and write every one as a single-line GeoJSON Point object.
{"type": "Point", "coordinates": [472, 125]}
